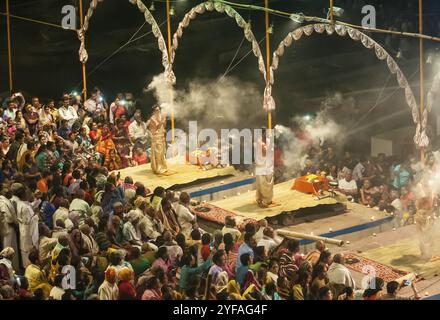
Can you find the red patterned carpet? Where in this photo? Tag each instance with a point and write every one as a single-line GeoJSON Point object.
{"type": "Point", "coordinates": [364, 265]}
{"type": "Point", "coordinates": [216, 214]}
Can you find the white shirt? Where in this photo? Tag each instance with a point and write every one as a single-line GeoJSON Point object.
{"type": "Point", "coordinates": [269, 244]}
{"type": "Point", "coordinates": [347, 185]}
{"type": "Point", "coordinates": [60, 214]}
{"type": "Point", "coordinates": [93, 107]}
{"type": "Point", "coordinates": [185, 219]}
{"type": "Point", "coordinates": [7, 216]}
{"type": "Point", "coordinates": [56, 293]}
{"type": "Point", "coordinates": [236, 234]}
{"type": "Point", "coordinates": [45, 118]}
{"type": "Point", "coordinates": [108, 291]}
{"type": "Point", "coordinates": [28, 223]}
{"type": "Point", "coordinates": [9, 114]}
{"type": "Point", "coordinates": [358, 172]}
{"type": "Point", "coordinates": [150, 228]}
{"type": "Point", "coordinates": [339, 274]}
{"type": "Point", "coordinates": [397, 204]}
{"type": "Point", "coordinates": [137, 131]}
{"type": "Point", "coordinates": [68, 114]}
{"type": "Point", "coordinates": [132, 233]}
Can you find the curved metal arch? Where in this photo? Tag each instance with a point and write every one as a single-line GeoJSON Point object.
{"type": "Point", "coordinates": [420, 138]}
{"type": "Point", "coordinates": [232, 13]}
{"type": "Point", "coordinates": [221, 8]}
{"type": "Point", "coordinates": [435, 90]}
{"type": "Point", "coordinates": [83, 56]}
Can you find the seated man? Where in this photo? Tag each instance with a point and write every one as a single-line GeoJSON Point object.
{"type": "Point", "coordinates": [348, 186]}
{"type": "Point", "coordinates": [339, 274]}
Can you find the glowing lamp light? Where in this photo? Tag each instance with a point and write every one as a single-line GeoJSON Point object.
{"type": "Point", "coordinates": [307, 117]}
{"type": "Point", "coordinates": [172, 12]}
{"type": "Point", "coordinates": [152, 8]}
{"type": "Point", "coordinates": [429, 60]}
{"type": "Point", "coordinates": [123, 102]}
{"type": "Point", "coordinates": [270, 30]}
{"type": "Point", "coordinates": [74, 93]}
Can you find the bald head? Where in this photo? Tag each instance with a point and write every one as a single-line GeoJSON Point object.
{"type": "Point", "coordinates": [268, 232]}
{"type": "Point", "coordinates": [339, 258]}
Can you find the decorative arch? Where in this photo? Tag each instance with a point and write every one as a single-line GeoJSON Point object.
{"type": "Point", "coordinates": [83, 56]}
{"type": "Point", "coordinates": [420, 138]}
{"type": "Point", "coordinates": [432, 93]}
{"type": "Point", "coordinates": [232, 13]}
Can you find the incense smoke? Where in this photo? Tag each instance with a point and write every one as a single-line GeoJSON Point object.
{"type": "Point", "coordinates": [217, 104]}
{"type": "Point", "coordinates": [319, 131]}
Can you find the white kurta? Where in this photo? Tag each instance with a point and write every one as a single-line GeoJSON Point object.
{"type": "Point", "coordinates": [28, 228]}
{"type": "Point", "coordinates": [8, 217]}
{"type": "Point", "coordinates": [264, 177]}
{"type": "Point", "coordinates": [185, 219]}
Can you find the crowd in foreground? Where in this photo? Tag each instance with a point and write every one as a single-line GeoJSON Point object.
{"type": "Point", "coordinates": [70, 230]}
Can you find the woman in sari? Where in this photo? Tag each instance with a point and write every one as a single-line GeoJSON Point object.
{"type": "Point", "coordinates": [152, 291]}
{"type": "Point", "coordinates": [245, 276]}
{"type": "Point", "coordinates": [369, 194]}
{"type": "Point", "coordinates": [20, 122]}
{"type": "Point", "coordinates": [105, 142]}
{"type": "Point", "coordinates": [231, 251]}
{"type": "Point", "coordinates": [31, 117]}
{"type": "Point", "coordinates": [77, 246]}
{"type": "Point", "coordinates": [122, 142]}
{"type": "Point", "coordinates": [112, 161]}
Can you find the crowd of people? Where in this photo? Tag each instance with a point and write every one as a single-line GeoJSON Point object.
{"type": "Point", "coordinates": [402, 187]}
{"type": "Point", "coordinates": [71, 230]}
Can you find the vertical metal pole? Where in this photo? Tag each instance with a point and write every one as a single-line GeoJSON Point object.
{"type": "Point", "coordinates": [8, 28]}
{"type": "Point", "coordinates": [422, 81]}
{"type": "Point", "coordinates": [84, 73]}
{"type": "Point", "coordinates": [169, 57]}
{"type": "Point", "coordinates": [331, 10]}
{"type": "Point", "coordinates": [269, 114]}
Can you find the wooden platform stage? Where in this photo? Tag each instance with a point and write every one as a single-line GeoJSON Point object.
{"type": "Point", "coordinates": [181, 175]}
{"type": "Point", "coordinates": [289, 200]}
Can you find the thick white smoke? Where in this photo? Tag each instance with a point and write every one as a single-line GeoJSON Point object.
{"type": "Point", "coordinates": [213, 103]}
{"type": "Point", "coordinates": [317, 131]}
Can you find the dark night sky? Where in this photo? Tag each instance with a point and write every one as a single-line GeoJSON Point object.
{"type": "Point", "coordinates": [45, 59]}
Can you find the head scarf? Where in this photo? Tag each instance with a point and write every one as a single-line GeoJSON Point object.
{"type": "Point", "coordinates": [221, 282]}
{"type": "Point", "coordinates": [110, 274]}
{"type": "Point", "coordinates": [7, 253]}
{"type": "Point", "coordinates": [125, 274]}
{"type": "Point", "coordinates": [16, 186]}
{"type": "Point", "coordinates": [133, 215]}
{"type": "Point", "coordinates": [75, 245]}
